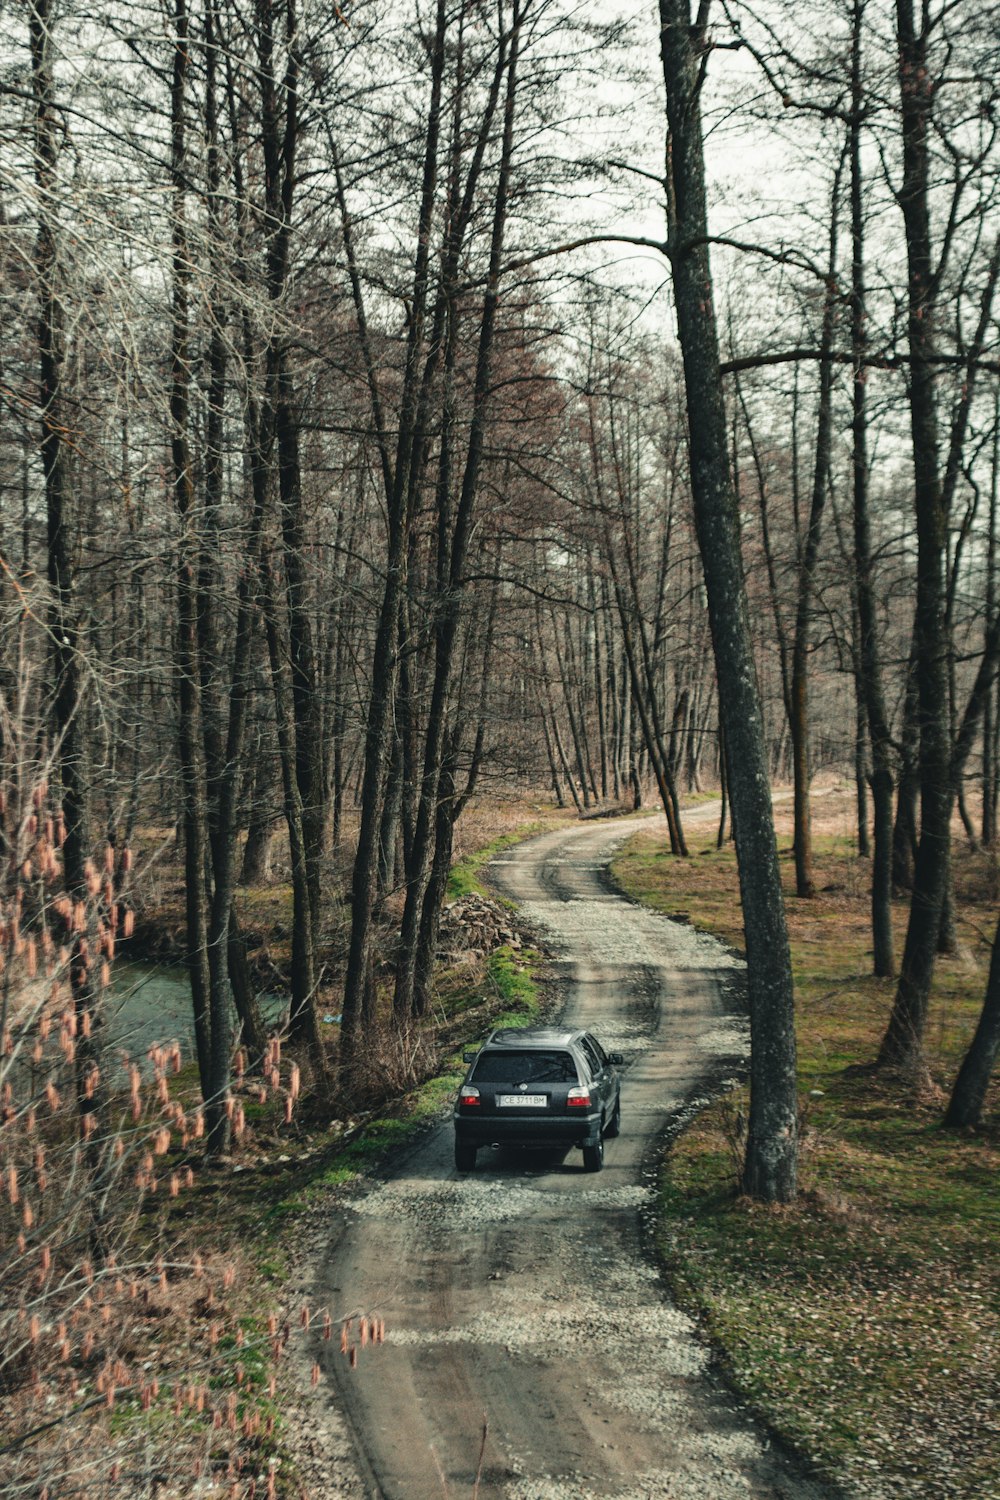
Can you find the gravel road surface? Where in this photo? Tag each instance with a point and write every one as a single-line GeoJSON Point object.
{"type": "Point", "coordinates": [524, 1291]}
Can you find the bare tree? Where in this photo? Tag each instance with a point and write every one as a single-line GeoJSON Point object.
{"type": "Point", "coordinates": [769, 1169]}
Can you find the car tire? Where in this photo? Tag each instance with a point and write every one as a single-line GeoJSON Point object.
{"type": "Point", "coordinates": [614, 1125]}
{"type": "Point", "coordinates": [593, 1156]}
{"type": "Point", "coordinates": [465, 1157]}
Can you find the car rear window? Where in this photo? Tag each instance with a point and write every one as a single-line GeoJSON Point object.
{"type": "Point", "coordinates": [525, 1067]}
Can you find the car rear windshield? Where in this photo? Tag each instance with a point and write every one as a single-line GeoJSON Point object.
{"type": "Point", "coordinates": [525, 1067]}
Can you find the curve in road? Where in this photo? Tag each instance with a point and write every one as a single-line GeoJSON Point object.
{"type": "Point", "coordinates": [523, 1294]}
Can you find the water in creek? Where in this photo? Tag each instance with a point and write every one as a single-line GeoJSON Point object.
{"type": "Point", "coordinates": [151, 1004]}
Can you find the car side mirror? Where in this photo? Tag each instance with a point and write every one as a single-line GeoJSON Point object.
{"type": "Point", "coordinates": [617, 1058]}
{"type": "Point", "coordinates": [469, 1056]}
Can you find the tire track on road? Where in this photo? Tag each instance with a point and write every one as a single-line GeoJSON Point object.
{"type": "Point", "coordinates": [524, 1290]}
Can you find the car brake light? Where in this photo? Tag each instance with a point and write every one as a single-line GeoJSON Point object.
{"type": "Point", "coordinates": [468, 1096]}
{"type": "Point", "coordinates": [578, 1098]}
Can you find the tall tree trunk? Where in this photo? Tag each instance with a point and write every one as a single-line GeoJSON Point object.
{"type": "Point", "coordinates": [192, 768]}
{"type": "Point", "coordinates": [306, 698]}
{"type": "Point", "coordinates": [611, 695]}
{"type": "Point", "coordinates": [553, 771]}
{"type": "Point", "coordinates": [378, 728]}
{"type": "Point", "coordinates": [450, 805]}
{"type": "Point", "coordinates": [279, 140]}
{"type": "Point", "coordinates": [224, 713]}
{"type": "Point", "coordinates": [868, 654]}
{"type": "Point", "coordinates": [654, 747]}
{"type": "Point", "coordinates": [392, 808]}
{"type": "Point", "coordinates": [805, 885]}
{"type": "Point", "coordinates": [452, 550]}
{"type": "Point", "coordinates": [774, 592]}
{"type": "Point", "coordinates": [769, 1171]}
{"type": "Point", "coordinates": [574, 732]}
{"type": "Point", "coordinates": [557, 739]}
{"type": "Point", "coordinates": [599, 681]}
{"type": "Point", "coordinates": [646, 688]}
{"type": "Point", "coordinates": [902, 1045]}
{"type": "Point", "coordinates": [304, 1023]}
{"type": "Point", "coordinates": [988, 779]}
{"type": "Point", "coordinates": [264, 816]}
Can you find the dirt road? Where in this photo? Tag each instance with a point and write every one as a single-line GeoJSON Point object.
{"type": "Point", "coordinates": [524, 1291]}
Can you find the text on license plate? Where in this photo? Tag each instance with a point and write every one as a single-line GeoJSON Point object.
{"type": "Point", "coordinates": [522, 1101]}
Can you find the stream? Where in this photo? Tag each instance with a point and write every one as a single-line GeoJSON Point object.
{"type": "Point", "coordinates": [150, 1003]}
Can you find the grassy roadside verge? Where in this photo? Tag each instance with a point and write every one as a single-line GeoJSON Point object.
{"type": "Point", "coordinates": [464, 879]}
{"type": "Point", "coordinates": [864, 1321]}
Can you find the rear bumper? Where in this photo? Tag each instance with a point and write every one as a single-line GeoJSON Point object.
{"type": "Point", "coordinates": [504, 1130]}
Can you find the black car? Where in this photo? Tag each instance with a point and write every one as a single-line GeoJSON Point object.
{"type": "Point", "coordinates": [538, 1087]}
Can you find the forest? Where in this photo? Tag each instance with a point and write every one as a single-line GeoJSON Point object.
{"type": "Point", "coordinates": [410, 408]}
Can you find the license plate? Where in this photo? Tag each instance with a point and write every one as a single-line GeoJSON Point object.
{"type": "Point", "coordinates": [522, 1101]}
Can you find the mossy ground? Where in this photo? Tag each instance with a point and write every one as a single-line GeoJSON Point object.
{"type": "Point", "coordinates": [864, 1321]}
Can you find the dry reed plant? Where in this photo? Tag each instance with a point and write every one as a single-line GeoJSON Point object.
{"type": "Point", "coordinates": [128, 1361]}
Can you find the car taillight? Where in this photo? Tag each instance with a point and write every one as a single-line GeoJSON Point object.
{"type": "Point", "coordinates": [468, 1096]}
{"type": "Point", "coordinates": [578, 1098]}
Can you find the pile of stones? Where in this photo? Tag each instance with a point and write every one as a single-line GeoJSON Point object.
{"type": "Point", "coordinates": [474, 926]}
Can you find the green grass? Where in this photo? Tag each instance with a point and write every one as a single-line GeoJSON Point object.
{"type": "Point", "coordinates": [512, 975]}
{"type": "Point", "coordinates": [464, 878]}
{"type": "Point", "coordinates": [863, 1321]}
